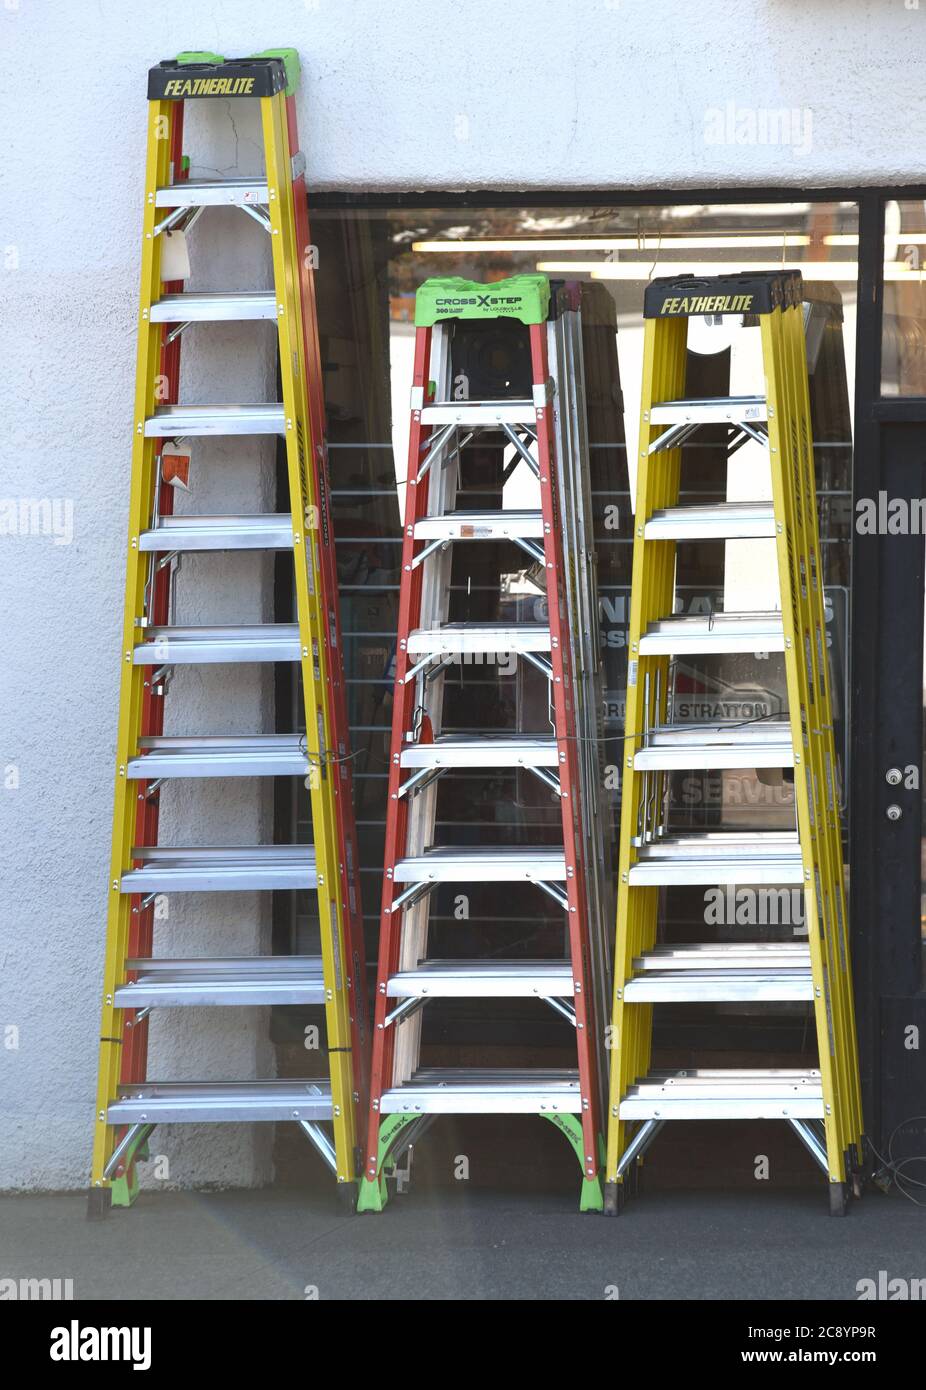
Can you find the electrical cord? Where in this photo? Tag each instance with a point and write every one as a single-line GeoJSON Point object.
{"type": "Point", "coordinates": [893, 1167]}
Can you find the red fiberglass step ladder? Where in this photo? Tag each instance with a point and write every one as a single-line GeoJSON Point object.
{"type": "Point", "coordinates": [405, 1096]}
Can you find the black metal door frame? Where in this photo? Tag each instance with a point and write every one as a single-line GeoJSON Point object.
{"type": "Point", "coordinates": [887, 732]}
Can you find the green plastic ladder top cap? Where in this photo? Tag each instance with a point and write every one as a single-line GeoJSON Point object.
{"type": "Point", "coordinates": [524, 297]}
{"type": "Point", "coordinates": [290, 60]}
{"type": "Point", "coordinates": [200, 58]}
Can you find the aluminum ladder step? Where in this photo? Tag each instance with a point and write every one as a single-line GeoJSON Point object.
{"type": "Point", "coordinates": [714, 973]}
{"type": "Point", "coordinates": [194, 1102]}
{"type": "Point", "coordinates": [484, 864]}
{"type": "Point", "coordinates": [759, 744]}
{"type": "Point", "coordinates": [483, 979]}
{"type": "Point", "coordinates": [267, 531]}
{"type": "Point", "coordinates": [718, 632]}
{"type": "Point", "coordinates": [482, 414]}
{"type": "Point", "coordinates": [214, 306]}
{"type": "Point", "coordinates": [482, 1091]}
{"type": "Point", "coordinates": [263, 755]}
{"type": "Point", "coordinates": [481, 525]}
{"type": "Point", "coordinates": [713, 410]}
{"type": "Point", "coordinates": [214, 869]}
{"type": "Point", "coordinates": [205, 193]}
{"type": "Point", "coordinates": [725, 955]}
{"type": "Point", "coordinates": [454, 639]}
{"type": "Point", "coordinates": [178, 646]}
{"type": "Point", "coordinates": [720, 857]}
{"type": "Point", "coordinates": [726, 521]}
{"type": "Point", "coordinates": [743, 1094]}
{"type": "Point", "coordinates": [174, 421]}
{"type": "Point", "coordinates": [485, 750]}
{"type": "Point", "coordinates": [227, 980]}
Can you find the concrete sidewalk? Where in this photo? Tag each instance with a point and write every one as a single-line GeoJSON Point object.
{"type": "Point", "coordinates": [284, 1244]}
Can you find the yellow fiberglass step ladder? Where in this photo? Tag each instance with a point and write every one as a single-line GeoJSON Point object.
{"type": "Point", "coordinates": [535, 428]}
{"type": "Point", "coordinates": [129, 1104]}
{"type": "Point", "coordinates": [821, 1103]}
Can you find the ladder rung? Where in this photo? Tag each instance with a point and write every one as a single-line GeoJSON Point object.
{"type": "Point", "coordinates": [263, 755]}
{"type": "Point", "coordinates": [481, 525]}
{"type": "Point", "coordinates": [481, 1091]}
{"type": "Point", "coordinates": [190, 1102]}
{"type": "Point", "coordinates": [454, 638]}
{"type": "Point", "coordinates": [233, 980]}
{"type": "Point", "coordinates": [726, 955]}
{"type": "Point", "coordinates": [267, 531]}
{"type": "Point", "coordinates": [768, 856]}
{"type": "Point", "coordinates": [483, 413]}
{"type": "Point", "coordinates": [726, 521]}
{"type": "Point", "coordinates": [761, 744]}
{"type": "Point", "coordinates": [710, 411]}
{"type": "Point", "coordinates": [484, 864]}
{"type": "Point", "coordinates": [725, 1095]}
{"type": "Point", "coordinates": [177, 420]}
{"type": "Point", "coordinates": [204, 193]}
{"type": "Point", "coordinates": [709, 973]}
{"type": "Point", "coordinates": [214, 869]}
{"type": "Point", "coordinates": [483, 979]}
{"type": "Point", "coordinates": [720, 632]}
{"type": "Point", "coordinates": [193, 645]}
{"type": "Point", "coordinates": [485, 750]}
{"type": "Point", "coordinates": [213, 306]}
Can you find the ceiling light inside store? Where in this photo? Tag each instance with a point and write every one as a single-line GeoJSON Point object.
{"type": "Point", "coordinates": [646, 270]}
{"type": "Point", "coordinates": [725, 241]}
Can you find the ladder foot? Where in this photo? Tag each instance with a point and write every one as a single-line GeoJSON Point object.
{"type": "Point", "coordinates": [613, 1198]}
{"type": "Point", "coordinates": [373, 1195]}
{"type": "Point", "coordinates": [591, 1199]}
{"type": "Point", "coordinates": [839, 1198]}
{"type": "Point", "coordinates": [98, 1203]}
{"type": "Point", "coordinates": [347, 1197]}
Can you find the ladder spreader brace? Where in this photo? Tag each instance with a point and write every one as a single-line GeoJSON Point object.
{"type": "Point", "coordinates": [822, 1104]}
{"type": "Point", "coordinates": [129, 1105]}
{"type": "Point", "coordinates": [403, 1092]}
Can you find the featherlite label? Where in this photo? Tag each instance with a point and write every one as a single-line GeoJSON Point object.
{"type": "Point", "coordinates": [708, 304]}
{"type": "Point", "coordinates": [209, 87]}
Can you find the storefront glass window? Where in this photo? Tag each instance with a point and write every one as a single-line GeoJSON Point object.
{"type": "Point", "coordinates": [371, 260]}
{"type": "Point", "coordinates": [903, 330]}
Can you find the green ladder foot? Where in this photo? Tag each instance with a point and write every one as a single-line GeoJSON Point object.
{"type": "Point", "coordinates": [571, 1127]}
{"type": "Point", "coordinates": [592, 1198]}
{"type": "Point", "coordinates": [373, 1195]}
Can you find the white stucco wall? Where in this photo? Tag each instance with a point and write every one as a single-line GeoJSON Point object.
{"type": "Point", "coordinates": [596, 94]}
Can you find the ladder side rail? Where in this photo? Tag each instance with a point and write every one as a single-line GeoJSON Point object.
{"type": "Point", "coordinates": [824, 676]}
{"type": "Point", "coordinates": [663, 379]}
{"type": "Point", "coordinates": [324, 534]}
{"type": "Point", "coordinates": [160, 118]}
{"type": "Point", "coordinates": [819, 710]}
{"type": "Point", "coordinates": [141, 926]}
{"type": "Point", "coordinates": [827, 866]}
{"type": "Point", "coordinates": [563, 698]}
{"type": "Point", "coordinates": [565, 349]}
{"type": "Point", "coordinates": [335, 958]}
{"type": "Point", "coordinates": [659, 568]}
{"type": "Point", "coordinates": [416, 500]}
{"type": "Point", "coordinates": [789, 505]}
{"type": "Point", "coordinates": [433, 611]}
